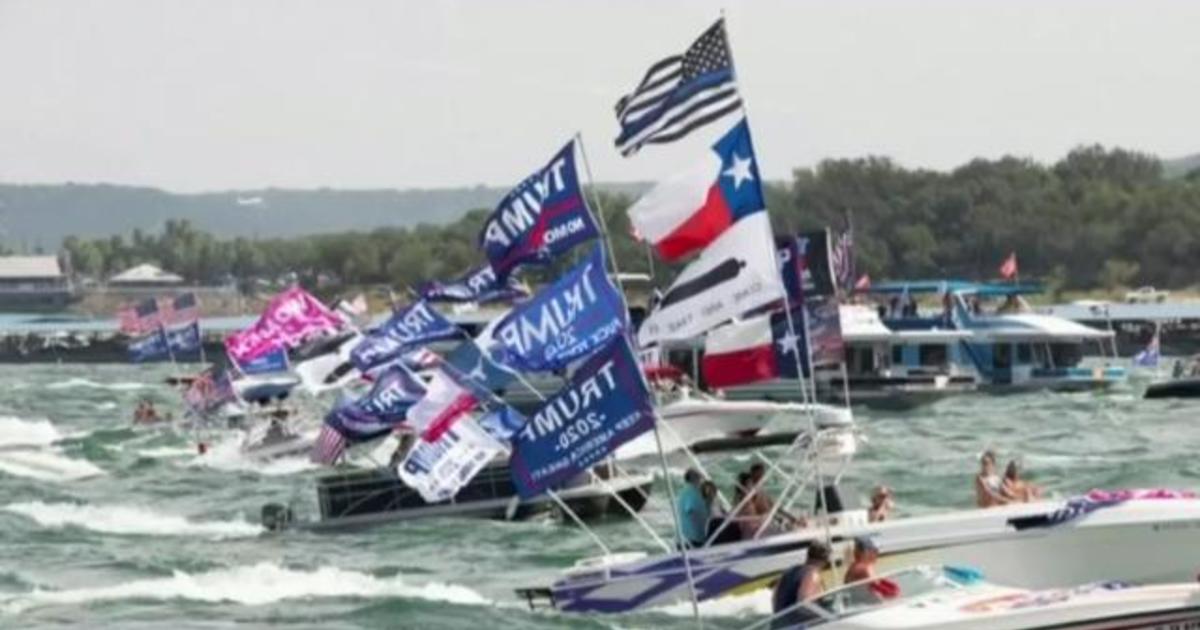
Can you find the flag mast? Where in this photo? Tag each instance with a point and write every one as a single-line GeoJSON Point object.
{"type": "Point", "coordinates": [804, 391]}
{"type": "Point", "coordinates": [687, 563]}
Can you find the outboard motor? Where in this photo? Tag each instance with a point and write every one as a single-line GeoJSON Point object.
{"type": "Point", "coordinates": [276, 517]}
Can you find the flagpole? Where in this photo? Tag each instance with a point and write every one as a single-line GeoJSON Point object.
{"type": "Point", "coordinates": [810, 403]}
{"type": "Point", "coordinates": [687, 563]}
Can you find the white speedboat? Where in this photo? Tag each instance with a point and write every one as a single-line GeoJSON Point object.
{"type": "Point", "coordinates": [946, 598]}
{"type": "Point", "coordinates": [1046, 544]}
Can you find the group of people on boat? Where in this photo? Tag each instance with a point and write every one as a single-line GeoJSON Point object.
{"type": "Point", "coordinates": [992, 489]}
{"type": "Point", "coordinates": [753, 513]}
{"type": "Point", "coordinates": [805, 583]}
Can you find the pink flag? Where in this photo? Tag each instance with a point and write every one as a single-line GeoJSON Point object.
{"type": "Point", "coordinates": [292, 317]}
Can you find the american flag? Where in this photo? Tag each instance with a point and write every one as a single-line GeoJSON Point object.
{"type": "Point", "coordinates": [140, 318]}
{"type": "Point", "coordinates": [182, 309]}
{"type": "Point", "coordinates": [680, 94]}
{"type": "Point", "coordinates": [329, 446]}
{"type": "Point", "coordinates": [843, 260]}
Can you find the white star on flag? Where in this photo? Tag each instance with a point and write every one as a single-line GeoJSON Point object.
{"type": "Point", "coordinates": [787, 343]}
{"type": "Point", "coordinates": [739, 170]}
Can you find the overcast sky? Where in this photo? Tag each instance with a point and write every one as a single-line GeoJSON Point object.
{"type": "Point", "coordinates": [218, 94]}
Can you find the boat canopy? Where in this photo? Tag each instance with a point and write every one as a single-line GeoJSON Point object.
{"type": "Point", "coordinates": [861, 324]}
{"type": "Point", "coordinates": [964, 287]}
{"type": "Point", "coordinates": [1031, 327]}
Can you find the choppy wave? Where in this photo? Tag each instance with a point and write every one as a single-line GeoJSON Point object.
{"type": "Point", "coordinates": [251, 585]}
{"type": "Point", "coordinates": [121, 519]}
{"type": "Point", "coordinates": [757, 603]}
{"type": "Point", "coordinates": [16, 431]}
{"type": "Point", "coordinates": [47, 464]}
{"type": "Point", "coordinates": [84, 383]}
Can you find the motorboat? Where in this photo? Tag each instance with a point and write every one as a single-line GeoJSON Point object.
{"type": "Point", "coordinates": [1135, 536]}
{"type": "Point", "coordinates": [362, 498]}
{"type": "Point", "coordinates": [953, 598]}
{"type": "Point", "coordinates": [1174, 388]}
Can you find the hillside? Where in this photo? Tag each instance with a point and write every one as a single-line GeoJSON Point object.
{"type": "Point", "coordinates": [33, 216]}
{"type": "Point", "coordinates": [1179, 167]}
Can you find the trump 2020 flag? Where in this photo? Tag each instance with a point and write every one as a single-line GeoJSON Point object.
{"type": "Point", "coordinates": [406, 329]}
{"type": "Point", "coordinates": [478, 285]}
{"type": "Point", "coordinates": [543, 217]}
{"type": "Point", "coordinates": [291, 318]}
{"type": "Point", "coordinates": [184, 341]}
{"type": "Point", "coordinates": [605, 405]}
{"type": "Point", "coordinates": [150, 347]}
{"type": "Point", "coordinates": [384, 407]}
{"type": "Point", "coordinates": [690, 210]}
{"type": "Point", "coordinates": [735, 274]}
{"type": "Point", "coordinates": [439, 468]}
{"type": "Point", "coordinates": [806, 265]}
{"type": "Point", "coordinates": [273, 361]}
{"type": "Point", "coordinates": [568, 320]}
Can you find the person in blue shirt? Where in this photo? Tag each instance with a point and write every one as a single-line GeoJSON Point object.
{"type": "Point", "coordinates": [694, 511]}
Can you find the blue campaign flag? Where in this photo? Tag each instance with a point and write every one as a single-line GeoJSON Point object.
{"type": "Point", "coordinates": [274, 361]}
{"type": "Point", "coordinates": [184, 340]}
{"type": "Point", "coordinates": [543, 217]}
{"type": "Point", "coordinates": [407, 329]}
{"type": "Point", "coordinates": [570, 319]}
{"type": "Point", "coordinates": [380, 410]}
{"type": "Point", "coordinates": [468, 359]}
{"type": "Point", "coordinates": [605, 405]}
{"type": "Point", "coordinates": [149, 347]}
{"type": "Point", "coordinates": [805, 264]}
{"type": "Point", "coordinates": [478, 285]}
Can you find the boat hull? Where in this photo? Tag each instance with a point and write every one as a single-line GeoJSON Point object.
{"type": "Point", "coordinates": [1139, 541]}
{"type": "Point", "coordinates": [1178, 388]}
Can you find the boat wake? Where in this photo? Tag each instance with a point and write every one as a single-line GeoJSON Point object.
{"type": "Point", "coordinates": [27, 450]}
{"type": "Point", "coordinates": [252, 585]}
{"type": "Point", "coordinates": [227, 455]}
{"type": "Point", "coordinates": [84, 383]}
{"type": "Point", "coordinates": [757, 603]}
{"type": "Point", "coordinates": [119, 519]}
{"type": "Point", "coordinates": [19, 432]}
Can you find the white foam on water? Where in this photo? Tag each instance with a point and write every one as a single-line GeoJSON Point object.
{"type": "Point", "coordinates": [757, 603]}
{"type": "Point", "coordinates": [19, 432]}
{"type": "Point", "coordinates": [251, 585]}
{"type": "Point", "coordinates": [167, 452]}
{"type": "Point", "coordinates": [47, 465]}
{"type": "Point", "coordinates": [226, 454]}
{"type": "Point", "coordinates": [84, 383]}
{"type": "Point", "coordinates": [121, 519]}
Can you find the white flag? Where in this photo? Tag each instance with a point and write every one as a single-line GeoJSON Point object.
{"type": "Point", "coordinates": [440, 468]}
{"type": "Point", "coordinates": [735, 274]}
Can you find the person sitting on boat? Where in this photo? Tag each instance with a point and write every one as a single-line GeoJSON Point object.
{"type": "Point", "coordinates": [145, 412]}
{"type": "Point", "coordinates": [800, 584]}
{"type": "Point", "coordinates": [721, 529]}
{"type": "Point", "coordinates": [1016, 489]}
{"type": "Point", "coordinates": [866, 555]}
{"type": "Point", "coordinates": [881, 504]}
{"type": "Point", "coordinates": [988, 485]}
{"type": "Point", "coordinates": [747, 519]}
{"type": "Point", "coordinates": [763, 504]}
{"type": "Point", "coordinates": [693, 511]}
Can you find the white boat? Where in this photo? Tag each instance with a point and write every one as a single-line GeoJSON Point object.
{"type": "Point", "coordinates": [947, 598]}
{"type": "Point", "coordinates": [1048, 544]}
{"type": "Point", "coordinates": [702, 423]}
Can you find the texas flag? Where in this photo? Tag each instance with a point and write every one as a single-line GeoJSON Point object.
{"type": "Point", "coordinates": [687, 212]}
{"type": "Point", "coordinates": [756, 349]}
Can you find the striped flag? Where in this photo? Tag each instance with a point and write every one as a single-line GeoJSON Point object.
{"type": "Point", "coordinates": [329, 446]}
{"type": "Point", "coordinates": [182, 309]}
{"type": "Point", "coordinates": [140, 318]}
{"type": "Point", "coordinates": [680, 94]}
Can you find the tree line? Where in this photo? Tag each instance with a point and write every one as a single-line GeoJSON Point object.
{"type": "Point", "coordinates": [1098, 218]}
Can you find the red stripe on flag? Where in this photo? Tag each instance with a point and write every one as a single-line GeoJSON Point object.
{"type": "Point", "coordinates": [445, 419]}
{"type": "Point", "coordinates": [740, 367]}
{"type": "Point", "coordinates": [700, 229]}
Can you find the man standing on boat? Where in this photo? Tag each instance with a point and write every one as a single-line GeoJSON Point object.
{"type": "Point", "coordinates": [694, 511]}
